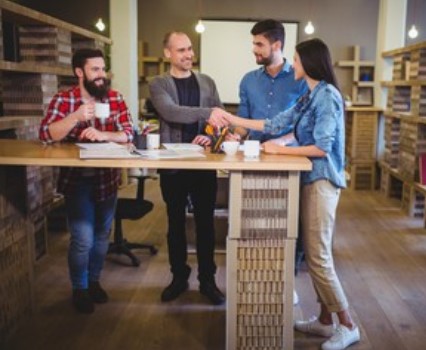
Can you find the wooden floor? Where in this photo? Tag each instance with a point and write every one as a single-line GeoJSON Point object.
{"type": "Point", "coordinates": [380, 256]}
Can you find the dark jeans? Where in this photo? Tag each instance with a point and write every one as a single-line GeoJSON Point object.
{"type": "Point", "coordinates": [200, 186]}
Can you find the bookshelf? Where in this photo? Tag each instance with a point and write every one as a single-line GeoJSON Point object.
{"type": "Point", "coordinates": [361, 129]}
{"type": "Point", "coordinates": [362, 78]}
{"type": "Point", "coordinates": [35, 57]}
{"type": "Point", "coordinates": [35, 62]}
{"type": "Point", "coordinates": [405, 127]}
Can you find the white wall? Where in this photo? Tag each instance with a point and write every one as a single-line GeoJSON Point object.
{"type": "Point", "coordinates": [124, 51]}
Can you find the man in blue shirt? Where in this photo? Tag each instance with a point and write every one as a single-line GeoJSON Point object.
{"type": "Point", "coordinates": [271, 89]}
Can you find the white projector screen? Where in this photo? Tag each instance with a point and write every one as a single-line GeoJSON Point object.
{"type": "Point", "coordinates": [226, 53]}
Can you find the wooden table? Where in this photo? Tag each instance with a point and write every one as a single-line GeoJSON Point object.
{"type": "Point", "coordinates": [263, 219]}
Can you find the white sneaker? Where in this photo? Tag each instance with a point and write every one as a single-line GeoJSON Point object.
{"type": "Point", "coordinates": [342, 338]}
{"type": "Point", "coordinates": [314, 326]}
{"type": "Point", "coordinates": [295, 297]}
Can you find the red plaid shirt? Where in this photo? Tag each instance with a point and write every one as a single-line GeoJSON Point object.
{"type": "Point", "coordinates": [66, 102]}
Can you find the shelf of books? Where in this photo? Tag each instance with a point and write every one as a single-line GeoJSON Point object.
{"type": "Point", "coordinates": [405, 128]}
{"type": "Point", "coordinates": [360, 147]}
{"type": "Point", "coordinates": [35, 62]}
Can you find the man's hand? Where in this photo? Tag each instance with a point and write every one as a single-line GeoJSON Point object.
{"type": "Point", "coordinates": [202, 140]}
{"type": "Point", "coordinates": [93, 135]}
{"type": "Point", "coordinates": [217, 118]}
{"type": "Point", "coordinates": [86, 111]}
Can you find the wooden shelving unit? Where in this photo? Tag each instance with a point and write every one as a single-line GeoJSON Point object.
{"type": "Point", "coordinates": [360, 150]}
{"type": "Point", "coordinates": [405, 127]}
{"type": "Point", "coordinates": [35, 62]}
{"type": "Point", "coordinates": [362, 77]}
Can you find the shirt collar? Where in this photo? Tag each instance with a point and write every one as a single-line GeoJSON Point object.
{"type": "Point", "coordinates": [319, 86]}
{"type": "Point", "coordinates": [285, 69]}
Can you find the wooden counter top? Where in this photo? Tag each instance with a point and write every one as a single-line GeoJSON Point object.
{"type": "Point", "coordinates": [21, 152]}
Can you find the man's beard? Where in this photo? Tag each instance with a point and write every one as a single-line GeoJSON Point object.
{"type": "Point", "coordinates": [97, 91]}
{"type": "Point", "coordinates": [264, 61]}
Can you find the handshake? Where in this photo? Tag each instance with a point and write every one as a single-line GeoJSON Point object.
{"type": "Point", "coordinates": [219, 128]}
{"type": "Point", "coordinates": [220, 118]}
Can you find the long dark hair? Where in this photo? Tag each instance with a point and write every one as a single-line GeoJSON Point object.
{"type": "Point", "coordinates": [316, 61]}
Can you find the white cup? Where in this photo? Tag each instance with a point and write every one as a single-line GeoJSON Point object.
{"type": "Point", "coordinates": [251, 149]}
{"type": "Point", "coordinates": [153, 141]}
{"type": "Point", "coordinates": [101, 110]}
{"type": "Point", "coordinates": [230, 147]}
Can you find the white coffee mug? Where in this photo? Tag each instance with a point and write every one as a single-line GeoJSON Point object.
{"type": "Point", "coordinates": [153, 141]}
{"type": "Point", "coordinates": [230, 147]}
{"type": "Point", "coordinates": [251, 149]}
{"type": "Point", "coordinates": [102, 110]}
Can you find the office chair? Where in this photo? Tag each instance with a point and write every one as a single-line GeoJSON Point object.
{"type": "Point", "coordinates": [132, 209]}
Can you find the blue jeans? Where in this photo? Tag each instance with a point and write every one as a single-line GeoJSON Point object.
{"type": "Point", "coordinates": [89, 223]}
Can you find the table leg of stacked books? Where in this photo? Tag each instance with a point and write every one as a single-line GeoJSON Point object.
{"type": "Point", "coordinates": [263, 219]}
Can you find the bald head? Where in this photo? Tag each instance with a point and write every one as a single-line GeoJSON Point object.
{"type": "Point", "coordinates": [178, 49]}
{"type": "Point", "coordinates": [170, 36]}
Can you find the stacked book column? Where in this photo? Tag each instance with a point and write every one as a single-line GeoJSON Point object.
{"type": "Point", "coordinates": [263, 218]}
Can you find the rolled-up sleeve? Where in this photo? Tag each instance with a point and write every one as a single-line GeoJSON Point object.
{"type": "Point", "coordinates": [124, 121]}
{"type": "Point", "coordinates": [328, 111]}
{"type": "Point", "coordinates": [55, 112]}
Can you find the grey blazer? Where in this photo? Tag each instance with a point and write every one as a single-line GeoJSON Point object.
{"type": "Point", "coordinates": [165, 99]}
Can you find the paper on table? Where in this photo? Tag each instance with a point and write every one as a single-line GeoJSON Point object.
{"type": "Point", "coordinates": [101, 146]}
{"type": "Point", "coordinates": [183, 146]}
{"type": "Point", "coordinates": [168, 154]}
{"type": "Point", "coordinates": [94, 153]}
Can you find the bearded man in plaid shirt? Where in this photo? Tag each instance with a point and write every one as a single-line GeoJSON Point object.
{"type": "Point", "coordinates": [90, 193]}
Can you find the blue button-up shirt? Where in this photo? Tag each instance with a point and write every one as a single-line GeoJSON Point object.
{"type": "Point", "coordinates": [318, 119]}
{"type": "Point", "coordinates": [263, 96]}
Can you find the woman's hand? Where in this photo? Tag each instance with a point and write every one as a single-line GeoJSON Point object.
{"type": "Point", "coordinates": [272, 147]}
{"type": "Point", "coordinates": [233, 136]}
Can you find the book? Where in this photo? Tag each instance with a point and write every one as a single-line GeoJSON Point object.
{"type": "Point", "coordinates": [422, 168]}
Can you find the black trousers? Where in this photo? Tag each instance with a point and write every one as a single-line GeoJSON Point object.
{"type": "Point", "coordinates": [200, 187]}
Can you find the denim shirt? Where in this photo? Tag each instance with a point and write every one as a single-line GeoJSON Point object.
{"type": "Point", "coordinates": [263, 96]}
{"type": "Point", "coordinates": [318, 119]}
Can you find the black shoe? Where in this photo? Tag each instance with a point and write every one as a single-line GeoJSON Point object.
{"type": "Point", "coordinates": [210, 290]}
{"type": "Point", "coordinates": [174, 289]}
{"type": "Point", "coordinates": [97, 293]}
{"type": "Point", "coordinates": [82, 301]}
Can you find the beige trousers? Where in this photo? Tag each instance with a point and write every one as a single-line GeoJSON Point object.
{"type": "Point", "coordinates": [318, 211]}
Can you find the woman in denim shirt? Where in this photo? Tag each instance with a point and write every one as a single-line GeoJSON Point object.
{"type": "Point", "coordinates": [318, 125]}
